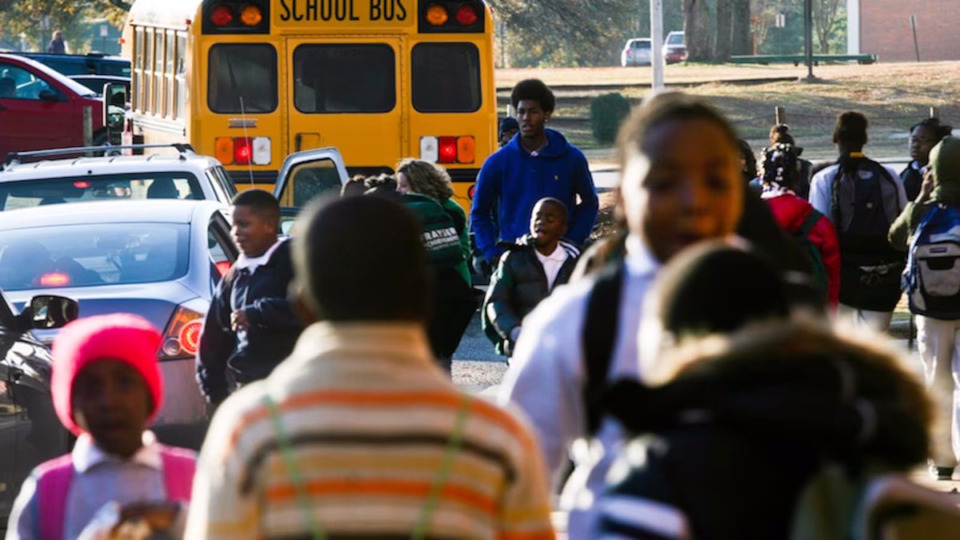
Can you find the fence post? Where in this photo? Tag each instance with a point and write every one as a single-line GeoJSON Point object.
{"type": "Point", "coordinates": [781, 115]}
{"type": "Point", "coordinates": [88, 126]}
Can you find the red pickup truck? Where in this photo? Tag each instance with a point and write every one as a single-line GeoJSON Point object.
{"type": "Point", "coordinates": [41, 109]}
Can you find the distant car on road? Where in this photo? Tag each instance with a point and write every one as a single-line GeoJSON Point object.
{"type": "Point", "coordinates": [41, 108]}
{"type": "Point", "coordinates": [674, 48]}
{"type": "Point", "coordinates": [30, 432]}
{"type": "Point", "coordinates": [82, 64]}
{"type": "Point", "coordinates": [158, 259]}
{"type": "Point", "coordinates": [637, 52]}
{"type": "Point", "coordinates": [182, 174]}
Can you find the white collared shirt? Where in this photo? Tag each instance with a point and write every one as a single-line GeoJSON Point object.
{"type": "Point", "coordinates": [99, 478]}
{"type": "Point", "coordinates": [546, 377]}
{"type": "Point", "coordinates": [252, 263]}
{"type": "Point", "coordinates": [552, 263]}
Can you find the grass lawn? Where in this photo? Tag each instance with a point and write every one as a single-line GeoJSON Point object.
{"type": "Point", "coordinates": [893, 96]}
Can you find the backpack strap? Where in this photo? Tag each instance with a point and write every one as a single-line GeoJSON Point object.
{"type": "Point", "coordinates": [179, 466]}
{"type": "Point", "coordinates": [599, 338]}
{"type": "Point", "coordinates": [809, 222]}
{"type": "Point", "coordinates": [53, 484]}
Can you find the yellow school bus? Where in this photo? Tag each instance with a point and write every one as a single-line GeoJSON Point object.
{"type": "Point", "coordinates": [251, 81]}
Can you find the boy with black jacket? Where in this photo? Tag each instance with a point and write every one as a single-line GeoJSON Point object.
{"type": "Point", "coordinates": [527, 273]}
{"type": "Point", "coordinates": [250, 326]}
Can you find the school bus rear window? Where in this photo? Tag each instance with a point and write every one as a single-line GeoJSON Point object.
{"type": "Point", "coordinates": [446, 77]}
{"type": "Point", "coordinates": [327, 78]}
{"type": "Point", "coordinates": [243, 79]}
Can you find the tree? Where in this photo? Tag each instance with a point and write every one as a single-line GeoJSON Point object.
{"type": "Point", "coordinates": [38, 19]}
{"type": "Point", "coordinates": [826, 19]}
{"type": "Point", "coordinates": [697, 31]}
{"type": "Point", "coordinates": [724, 35]}
{"type": "Point", "coordinates": [741, 39]}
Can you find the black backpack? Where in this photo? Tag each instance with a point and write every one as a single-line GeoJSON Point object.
{"type": "Point", "coordinates": [599, 338]}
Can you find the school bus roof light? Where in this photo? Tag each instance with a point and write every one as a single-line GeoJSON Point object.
{"type": "Point", "coordinates": [223, 150]}
{"type": "Point", "coordinates": [466, 149]}
{"type": "Point", "coordinates": [221, 16]}
{"type": "Point", "coordinates": [437, 15]}
{"type": "Point", "coordinates": [467, 15]}
{"type": "Point", "coordinates": [250, 15]}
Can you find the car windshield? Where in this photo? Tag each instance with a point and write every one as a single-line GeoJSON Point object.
{"type": "Point", "coordinates": [89, 255]}
{"type": "Point", "coordinates": [675, 39]}
{"type": "Point", "coordinates": [640, 45]}
{"type": "Point", "coordinates": [166, 185]}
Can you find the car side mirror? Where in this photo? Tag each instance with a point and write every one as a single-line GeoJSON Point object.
{"type": "Point", "coordinates": [48, 95]}
{"type": "Point", "coordinates": [114, 105]}
{"type": "Point", "coordinates": [48, 311]}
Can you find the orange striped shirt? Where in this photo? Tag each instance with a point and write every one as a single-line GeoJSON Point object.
{"type": "Point", "coordinates": [368, 416]}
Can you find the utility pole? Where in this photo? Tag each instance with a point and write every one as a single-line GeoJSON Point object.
{"type": "Point", "coordinates": [808, 36]}
{"type": "Point", "coordinates": [656, 43]}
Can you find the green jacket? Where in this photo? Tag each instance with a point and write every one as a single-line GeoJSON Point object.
{"type": "Point", "coordinates": [460, 222]}
{"type": "Point", "coordinates": [906, 223]}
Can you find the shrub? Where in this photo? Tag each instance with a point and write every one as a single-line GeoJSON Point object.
{"type": "Point", "coordinates": [606, 114]}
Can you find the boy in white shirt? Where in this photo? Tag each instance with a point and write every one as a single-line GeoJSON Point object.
{"type": "Point", "coordinates": [528, 272]}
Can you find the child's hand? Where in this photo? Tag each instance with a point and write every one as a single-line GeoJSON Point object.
{"type": "Point", "coordinates": [926, 189]}
{"type": "Point", "coordinates": [159, 516]}
{"type": "Point", "coordinates": [238, 320]}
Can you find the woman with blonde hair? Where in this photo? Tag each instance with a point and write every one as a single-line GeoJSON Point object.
{"type": "Point", "coordinates": [425, 178]}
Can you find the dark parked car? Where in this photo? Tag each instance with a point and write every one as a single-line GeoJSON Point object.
{"type": "Point", "coordinates": [30, 432]}
{"type": "Point", "coordinates": [83, 64]}
{"type": "Point", "coordinates": [674, 48]}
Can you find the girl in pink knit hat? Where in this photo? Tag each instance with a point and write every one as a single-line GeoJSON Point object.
{"type": "Point", "coordinates": [106, 387]}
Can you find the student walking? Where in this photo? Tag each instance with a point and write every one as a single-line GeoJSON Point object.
{"type": "Point", "coordinates": [528, 272]}
{"type": "Point", "coordinates": [250, 326]}
{"type": "Point", "coordinates": [106, 388]}
{"type": "Point", "coordinates": [862, 198]}
{"type": "Point", "coordinates": [745, 405]}
{"type": "Point", "coordinates": [812, 231]}
{"type": "Point", "coordinates": [924, 135]}
{"type": "Point", "coordinates": [929, 227]}
{"type": "Point", "coordinates": [358, 433]}
{"type": "Point", "coordinates": [537, 163]}
{"type": "Point", "coordinates": [680, 184]}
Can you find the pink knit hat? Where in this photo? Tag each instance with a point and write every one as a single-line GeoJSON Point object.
{"type": "Point", "coordinates": [127, 338]}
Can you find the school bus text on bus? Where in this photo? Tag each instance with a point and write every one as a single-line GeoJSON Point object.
{"type": "Point", "coordinates": [252, 81]}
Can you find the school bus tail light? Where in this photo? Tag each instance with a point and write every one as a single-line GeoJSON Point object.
{"type": "Point", "coordinates": [448, 150]}
{"type": "Point", "coordinates": [250, 15]}
{"type": "Point", "coordinates": [261, 150]}
{"type": "Point", "coordinates": [466, 150]}
{"type": "Point", "coordinates": [429, 149]}
{"type": "Point", "coordinates": [472, 191]}
{"type": "Point", "coordinates": [242, 151]}
{"type": "Point", "coordinates": [221, 16]}
{"type": "Point", "coordinates": [223, 150]}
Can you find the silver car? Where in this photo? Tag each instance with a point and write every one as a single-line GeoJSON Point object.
{"type": "Point", "coordinates": [160, 259]}
{"type": "Point", "coordinates": [637, 52]}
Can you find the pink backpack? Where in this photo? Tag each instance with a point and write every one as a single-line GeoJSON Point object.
{"type": "Point", "coordinates": [53, 484]}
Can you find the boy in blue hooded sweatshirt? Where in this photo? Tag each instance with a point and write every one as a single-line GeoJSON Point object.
{"type": "Point", "coordinates": [537, 163]}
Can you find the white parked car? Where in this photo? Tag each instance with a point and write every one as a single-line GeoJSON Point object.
{"type": "Point", "coordinates": [637, 52]}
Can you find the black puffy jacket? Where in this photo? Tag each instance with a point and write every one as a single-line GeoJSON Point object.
{"type": "Point", "coordinates": [517, 286]}
{"type": "Point", "coordinates": [735, 431]}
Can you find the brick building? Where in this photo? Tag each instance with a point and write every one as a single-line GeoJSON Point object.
{"type": "Point", "coordinates": [882, 27]}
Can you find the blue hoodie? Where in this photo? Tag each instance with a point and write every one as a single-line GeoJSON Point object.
{"type": "Point", "coordinates": [511, 182]}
